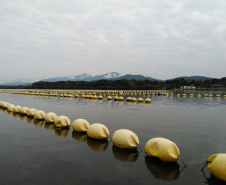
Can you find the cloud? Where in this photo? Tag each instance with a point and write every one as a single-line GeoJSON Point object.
{"type": "Point", "coordinates": [162, 39]}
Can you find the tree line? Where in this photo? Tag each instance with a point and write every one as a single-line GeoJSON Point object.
{"type": "Point", "coordinates": [123, 84]}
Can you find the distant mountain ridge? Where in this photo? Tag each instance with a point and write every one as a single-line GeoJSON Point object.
{"type": "Point", "coordinates": [106, 76]}
{"type": "Point", "coordinates": [16, 84]}
{"type": "Point", "coordinates": [84, 77]}
{"type": "Point", "coordinates": [196, 78]}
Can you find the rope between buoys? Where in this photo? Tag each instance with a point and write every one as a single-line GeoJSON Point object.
{"type": "Point", "coordinates": [205, 163]}
{"type": "Point", "coordinates": [138, 147]}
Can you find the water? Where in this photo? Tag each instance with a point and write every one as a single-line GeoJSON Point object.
{"type": "Point", "coordinates": [33, 152]}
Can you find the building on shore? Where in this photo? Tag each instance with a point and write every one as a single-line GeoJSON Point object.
{"type": "Point", "coordinates": [190, 87]}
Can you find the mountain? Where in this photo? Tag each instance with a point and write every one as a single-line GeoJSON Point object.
{"type": "Point", "coordinates": [84, 77]}
{"type": "Point", "coordinates": [196, 78]}
{"type": "Point", "coordinates": [16, 84]}
{"type": "Point", "coordinates": [135, 77]}
{"type": "Point", "coordinates": [107, 76]}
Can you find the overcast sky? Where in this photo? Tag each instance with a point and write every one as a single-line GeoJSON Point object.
{"type": "Point", "coordinates": [157, 38]}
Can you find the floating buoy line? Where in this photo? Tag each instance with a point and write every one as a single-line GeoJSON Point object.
{"type": "Point", "coordinates": [114, 96]}
{"type": "Point", "coordinates": [123, 140]}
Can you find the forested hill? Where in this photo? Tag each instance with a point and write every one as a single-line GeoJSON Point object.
{"type": "Point", "coordinates": [122, 84]}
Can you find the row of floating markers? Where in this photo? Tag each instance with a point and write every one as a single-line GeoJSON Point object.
{"type": "Point", "coordinates": [92, 94]}
{"type": "Point", "coordinates": [199, 95]}
{"type": "Point", "coordinates": [164, 149]}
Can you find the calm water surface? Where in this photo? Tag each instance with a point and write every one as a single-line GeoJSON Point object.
{"type": "Point", "coordinates": [33, 152]}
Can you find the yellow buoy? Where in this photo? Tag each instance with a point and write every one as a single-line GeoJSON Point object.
{"type": "Point", "coordinates": [98, 131]}
{"type": "Point", "coordinates": [206, 95]}
{"type": "Point", "coordinates": [16, 109]}
{"type": "Point", "coordinates": [50, 117]}
{"type": "Point", "coordinates": [124, 138]}
{"type": "Point", "coordinates": [62, 121]}
{"type": "Point", "coordinates": [39, 114]}
{"type": "Point", "coordinates": [133, 99]}
{"type": "Point", "coordinates": [24, 110]}
{"type": "Point", "coordinates": [115, 98]}
{"type": "Point", "coordinates": [121, 98]}
{"type": "Point", "coordinates": [183, 95]}
{"type": "Point", "coordinates": [80, 125]}
{"type": "Point", "coordinates": [10, 107]}
{"type": "Point", "coordinates": [178, 95]}
{"type": "Point", "coordinates": [128, 99]}
{"type": "Point", "coordinates": [140, 100]}
{"type": "Point", "coordinates": [100, 97]}
{"type": "Point", "coordinates": [162, 148]}
{"type": "Point", "coordinates": [217, 165]}
{"type": "Point", "coordinates": [109, 98]}
{"type": "Point", "coordinates": [224, 96]}
{"type": "Point", "coordinates": [199, 95]}
{"type": "Point", "coordinates": [31, 112]}
{"type": "Point", "coordinates": [147, 100]}
{"type": "Point", "coordinates": [218, 96]}
{"type": "Point", "coordinates": [4, 104]}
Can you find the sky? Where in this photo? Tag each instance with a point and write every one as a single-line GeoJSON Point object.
{"type": "Point", "coordinates": [162, 39]}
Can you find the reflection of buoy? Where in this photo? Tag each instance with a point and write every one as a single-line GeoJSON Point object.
{"type": "Point", "coordinates": [125, 155]}
{"type": "Point", "coordinates": [24, 110]}
{"type": "Point", "coordinates": [50, 117]}
{"type": "Point", "coordinates": [23, 117]}
{"type": "Point", "coordinates": [62, 121]}
{"type": "Point", "coordinates": [49, 126]}
{"type": "Point", "coordinates": [39, 114]}
{"type": "Point", "coordinates": [217, 165]}
{"type": "Point", "coordinates": [39, 123]}
{"type": "Point", "coordinates": [124, 138]}
{"type": "Point", "coordinates": [98, 131]}
{"type": "Point", "coordinates": [80, 136]}
{"type": "Point", "coordinates": [97, 145]}
{"type": "Point", "coordinates": [162, 148]}
{"type": "Point", "coordinates": [161, 170]}
{"type": "Point", "coordinates": [31, 112]}
{"type": "Point", "coordinates": [30, 120]}
{"type": "Point", "coordinates": [80, 125]}
{"type": "Point", "coordinates": [62, 132]}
